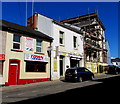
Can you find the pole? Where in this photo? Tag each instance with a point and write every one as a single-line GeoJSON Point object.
{"type": "Point", "coordinates": [32, 10]}
{"type": "Point", "coordinates": [26, 12]}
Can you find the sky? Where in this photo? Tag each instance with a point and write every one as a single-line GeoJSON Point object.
{"type": "Point", "coordinates": [107, 11]}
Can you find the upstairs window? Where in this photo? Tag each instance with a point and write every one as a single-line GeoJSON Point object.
{"type": "Point", "coordinates": [75, 41]}
{"type": "Point", "coordinates": [16, 41]}
{"type": "Point", "coordinates": [38, 46]}
{"type": "Point", "coordinates": [61, 37]}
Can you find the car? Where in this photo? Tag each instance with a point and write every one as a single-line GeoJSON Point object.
{"type": "Point", "coordinates": [112, 69]}
{"type": "Point", "coordinates": [78, 74]}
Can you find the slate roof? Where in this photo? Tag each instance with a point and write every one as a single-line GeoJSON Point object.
{"type": "Point", "coordinates": [67, 27]}
{"type": "Point", "coordinates": [9, 26]}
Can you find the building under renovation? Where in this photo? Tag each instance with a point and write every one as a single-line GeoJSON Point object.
{"type": "Point", "coordinates": [95, 53]}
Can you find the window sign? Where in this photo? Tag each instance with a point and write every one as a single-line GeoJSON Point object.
{"type": "Point", "coordinates": [35, 57]}
{"type": "Point", "coordinates": [29, 44]}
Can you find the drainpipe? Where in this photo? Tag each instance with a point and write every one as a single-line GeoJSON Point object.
{"type": "Point", "coordinates": [49, 55]}
{"type": "Point", "coordinates": [50, 63]}
{"type": "Point", "coordinates": [84, 48]}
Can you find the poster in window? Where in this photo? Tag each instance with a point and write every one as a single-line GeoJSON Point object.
{"type": "Point", "coordinates": [29, 44]}
{"type": "Point", "coordinates": [55, 64]}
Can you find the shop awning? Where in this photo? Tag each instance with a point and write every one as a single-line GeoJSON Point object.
{"type": "Point", "coordinates": [74, 58]}
{"type": "Point", "coordinates": [103, 64]}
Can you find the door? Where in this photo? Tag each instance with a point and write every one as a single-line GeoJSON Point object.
{"type": "Point", "coordinates": [13, 73]}
{"type": "Point", "coordinates": [61, 65]}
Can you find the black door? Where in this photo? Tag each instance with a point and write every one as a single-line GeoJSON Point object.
{"type": "Point", "coordinates": [61, 65]}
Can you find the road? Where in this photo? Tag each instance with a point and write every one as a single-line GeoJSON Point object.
{"type": "Point", "coordinates": [104, 88]}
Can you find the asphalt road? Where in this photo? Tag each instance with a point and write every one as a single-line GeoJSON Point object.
{"type": "Point", "coordinates": [104, 89]}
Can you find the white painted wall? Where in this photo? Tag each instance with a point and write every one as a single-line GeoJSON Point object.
{"type": "Point", "coordinates": [68, 37]}
{"type": "Point", "coordinates": [67, 47]}
{"type": "Point", "coordinates": [46, 26]}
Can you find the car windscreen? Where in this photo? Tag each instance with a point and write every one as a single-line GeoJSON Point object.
{"type": "Point", "coordinates": [83, 70]}
{"type": "Point", "coordinates": [70, 71]}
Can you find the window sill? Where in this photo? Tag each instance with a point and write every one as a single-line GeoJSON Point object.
{"type": "Point", "coordinates": [75, 48]}
{"type": "Point", "coordinates": [16, 50]}
{"type": "Point", "coordinates": [35, 72]}
{"type": "Point", "coordinates": [39, 53]}
{"type": "Point", "coordinates": [62, 45]}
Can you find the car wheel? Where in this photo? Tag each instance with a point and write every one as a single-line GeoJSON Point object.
{"type": "Point", "coordinates": [80, 79]}
{"type": "Point", "coordinates": [117, 72]}
{"type": "Point", "coordinates": [92, 77]}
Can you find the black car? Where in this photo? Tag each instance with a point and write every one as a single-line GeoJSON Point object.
{"type": "Point", "coordinates": [78, 74]}
{"type": "Point", "coordinates": [112, 69]}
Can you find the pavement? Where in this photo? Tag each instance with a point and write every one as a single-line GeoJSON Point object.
{"type": "Point", "coordinates": [15, 93]}
{"type": "Point", "coordinates": [42, 84]}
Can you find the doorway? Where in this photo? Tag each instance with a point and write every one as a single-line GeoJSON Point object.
{"type": "Point", "coordinates": [74, 62]}
{"type": "Point", "coordinates": [61, 65]}
{"type": "Point", "coordinates": [13, 72]}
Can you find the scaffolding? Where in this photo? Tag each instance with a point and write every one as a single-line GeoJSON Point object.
{"type": "Point", "coordinates": [94, 50]}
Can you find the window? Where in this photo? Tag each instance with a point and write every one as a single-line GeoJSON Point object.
{"type": "Point", "coordinates": [38, 46]}
{"type": "Point", "coordinates": [86, 70]}
{"type": "Point", "coordinates": [61, 37]}
{"type": "Point", "coordinates": [83, 70]}
{"type": "Point", "coordinates": [1, 68]}
{"type": "Point", "coordinates": [75, 41]}
{"type": "Point", "coordinates": [32, 66]}
{"type": "Point", "coordinates": [16, 41]}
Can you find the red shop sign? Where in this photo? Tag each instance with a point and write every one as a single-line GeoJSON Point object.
{"type": "Point", "coordinates": [2, 56]}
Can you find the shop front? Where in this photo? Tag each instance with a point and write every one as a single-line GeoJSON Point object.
{"type": "Point", "coordinates": [92, 66]}
{"type": "Point", "coordinates": [36, 63]}
{"type": "Point", "coordinates": [25, 59]}
{"type": "Point", "coordinates": [35, 69]}
{"type": "Point", "coordinates": [75, 61]}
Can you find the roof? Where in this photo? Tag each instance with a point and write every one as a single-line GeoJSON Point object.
{"type": "Point", "coordinates": [68, 27]}
{"type": "Point", "coordinates": [9, 26]}
{"type": "Point", "coordinates": [115, 60]}
{"type": "Point", "coordinates": [61, 24]}
{"type": "Point", "coordinates": [83, 17]}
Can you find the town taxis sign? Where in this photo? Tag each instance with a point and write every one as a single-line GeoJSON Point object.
{"type": "Point", "coordinates": [35, 57]}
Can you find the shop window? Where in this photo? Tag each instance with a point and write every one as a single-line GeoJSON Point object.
{"type": "Point", "coordinates": [1, 68]}
{"type": "Point", "coordinates": [16, 41]}
{"type": "Point", "coordinates": [38, 46]}
{"type": "Point", "coordinates": [75, 41]}
{"type": "Point", "coordinates": [61, 37]}
{"type": "Point", "coordinates": [95, 55]}
{"type": "Point", "coordinates": [32, 66]}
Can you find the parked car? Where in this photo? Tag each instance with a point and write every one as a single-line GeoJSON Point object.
{"type": "Point", "coordinates": [112, 69]}
{"type": "Point", "coordinates": [78, 74]}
